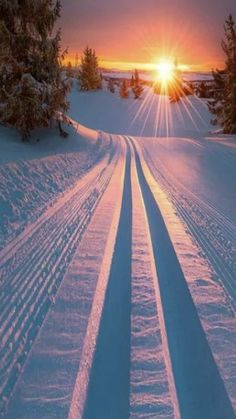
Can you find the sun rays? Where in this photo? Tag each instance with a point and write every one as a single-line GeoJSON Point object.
{"type": "Point", "coordinates": [159, 111]}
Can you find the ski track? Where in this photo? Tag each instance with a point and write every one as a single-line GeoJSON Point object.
{"type": "Point", "coordinates": [32, 268]}
{"type": "Point", "coordinates": [27, 187]}
{"type": "Point", "coordinates": [194, 367]}
{"type": "Point", "coordinates": [130, 342]}
{"type": "Point", "coordinates": [209, 296]}
{"type": "Point", "coordinates": [67, 337]}
{"type": "Point", "coordinates": [111, 364]}
{"type": "Point", "coordinates": [218, 240]}
{"type": "Point", "coordinates": [152, 389]}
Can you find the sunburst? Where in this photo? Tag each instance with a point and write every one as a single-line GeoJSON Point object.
{"type": "Point", "coordinates": [164, 71]}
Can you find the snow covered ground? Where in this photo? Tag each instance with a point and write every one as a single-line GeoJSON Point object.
{"type": "Point", "coordinates": [150, 116]}
{"type": "Point", "coordinates": [118, 265]}
{"type": "Point", "coordinates": [33, 175]}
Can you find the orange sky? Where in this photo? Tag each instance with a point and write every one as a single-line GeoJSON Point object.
{"type": "Point", "coordinates": [135, 33]}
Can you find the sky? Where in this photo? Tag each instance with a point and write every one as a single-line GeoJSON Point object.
{"type": "Point", "coordinates": [135, 33]}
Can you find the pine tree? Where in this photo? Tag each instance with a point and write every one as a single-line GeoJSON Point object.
{"type": "Point", "coordinates": [137, 87]}
{"type": "Point", "coordinates": [217, 102]}
{"type": "Point", "coordinates": [176, 90]}
{"type": "Point", "coordinates": [76, 61]}
{"type": "Point", "coordinates": [124, 92]}
{"type": "Point", "coordinates": [132, 81]}
{"type": "Point", "coordinates": [69, 70]}
{"type": "Point", "coordinates": [202, 90]}
{"type": "Point", "coordinates": [190, 88]}
{"type": "Point", "coordinates": [89, 74]}
{"type": "Point", "coordinates": [111, 86]}
{"type": "Point", "coordinates": [32, 88]}
{"type": "Point", "coordinates": [223, 106]}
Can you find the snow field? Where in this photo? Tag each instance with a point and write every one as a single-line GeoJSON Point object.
{"type": "Point", "coordinates": [150, 368]}
{"type": "Point", "coordinates": [130, 301]}
{"type": "Point", "coordinates": [31, 274]}
{"type": "Point", "coordinates": [215, 232]}
{"type": "Point", "coordinates": [65, 345]}
{"type": "Point", "coordinates": [212, 303]}
{"type": "Point", "coordinates": [28, 187]}
{"type": "Point", "coordinates": [147, 117]}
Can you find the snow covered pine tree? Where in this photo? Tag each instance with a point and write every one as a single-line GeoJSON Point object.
{"type": "Point", "coordinates": [132, 81]}
{"type": "Point", "coordinates": [137, 87]}
{"type": "Point", "coordinates": [32, 88]}
{"type": "Point", "coordinates": [69, 70]}
{"type": "Point", "coordinates": [124, 91]}
{"type": "Point", "coordinates": [202, 90]}
{"type": "Point", "coordinates": [111, 86]}
{"type": "Point", "coordinates": [89, 75]}
{"type": "Point", "coordinates": [216, 102]}
{"type": "Point", "coordinates": [223, 105]}
{"type": "Point", "coordinates": [176, 91]}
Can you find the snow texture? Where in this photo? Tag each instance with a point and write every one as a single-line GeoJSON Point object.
{"type": "Point", "coordinates": [118, 264]}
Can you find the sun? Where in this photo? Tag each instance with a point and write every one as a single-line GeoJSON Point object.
{"type": "Point", "coordinates": [164, 71]}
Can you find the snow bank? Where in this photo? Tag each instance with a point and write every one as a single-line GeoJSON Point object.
{"type": "Point", "coordinates": [35, 174]}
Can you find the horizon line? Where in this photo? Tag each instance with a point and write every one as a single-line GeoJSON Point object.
{"type": "Point", "coordinates": [130, 66]}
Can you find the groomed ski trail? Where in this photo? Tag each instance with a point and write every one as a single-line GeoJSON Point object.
{"type": "Point", "coordinates": [194, 367]}
{"type": "Point", "coordinates": [32, 267]}
{"type": "Point", "coordinates": [117, 321]}
{"type": "Point", "coordinates": [198, 215]}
